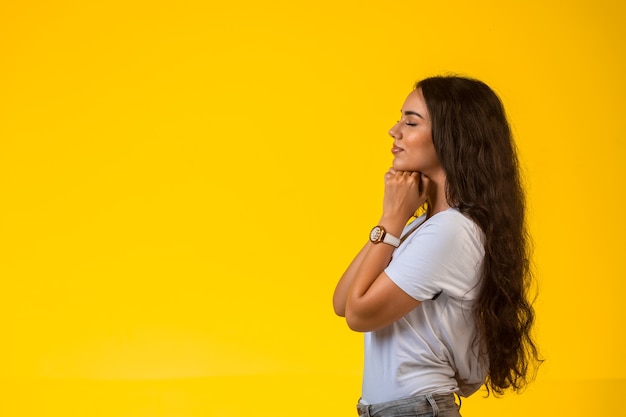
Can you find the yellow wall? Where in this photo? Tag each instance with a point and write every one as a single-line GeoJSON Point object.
{"type": "Point", "coordinates": [182, 183]}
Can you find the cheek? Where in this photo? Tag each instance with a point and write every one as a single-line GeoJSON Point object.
{"type": "Point", "coordinates": [419, 155]}
{"type": "Point", "coordinates": [429, 149]}
{"type": "Point", "coordinates": [423, 157]}
{"type": "Point", "coordinates": [422, 150]}
{"type": "Point", "coordinates": [432, 157]}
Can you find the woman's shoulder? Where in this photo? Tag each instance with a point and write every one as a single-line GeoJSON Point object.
{"type": "Point", "coordinates": [451, 228]}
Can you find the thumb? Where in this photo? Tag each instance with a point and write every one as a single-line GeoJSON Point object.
{"type": "Point", "coordinates": [424, 184]}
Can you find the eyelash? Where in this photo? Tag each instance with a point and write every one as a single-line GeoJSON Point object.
{"type": "Point", "coordinates": [411, 124]}
{"type": "Point", "coordinates": [408, 123]}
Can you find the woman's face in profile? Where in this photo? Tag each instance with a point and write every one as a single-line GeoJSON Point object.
{"type": "Point", "coordinates": [413, 148]}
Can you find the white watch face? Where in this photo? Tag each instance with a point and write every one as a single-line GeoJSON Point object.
{"type": "Point", "coordinates": [375, 234]}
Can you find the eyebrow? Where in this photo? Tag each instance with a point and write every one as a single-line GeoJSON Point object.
{"type": "Point", "coordinates": [413, 113]}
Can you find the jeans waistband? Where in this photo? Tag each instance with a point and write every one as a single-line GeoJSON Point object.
{"type": "Point", "coordinates": [420, 405]}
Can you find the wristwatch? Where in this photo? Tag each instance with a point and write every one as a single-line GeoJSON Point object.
{"type": "Point", "coordinates": [379, 234]}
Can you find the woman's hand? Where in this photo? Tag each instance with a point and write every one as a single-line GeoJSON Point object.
{"type": "Point", "coordinates": [405, 192]}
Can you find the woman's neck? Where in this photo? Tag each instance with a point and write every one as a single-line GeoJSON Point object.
{"type": "Point", "coordinates": [438, 200]}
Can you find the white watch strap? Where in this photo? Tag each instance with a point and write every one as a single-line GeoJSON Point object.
{"type": "Point", "coordinates": [391, 240]}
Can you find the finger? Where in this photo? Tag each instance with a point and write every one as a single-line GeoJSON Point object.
{"type": "Point", "coordinates": [410, 176]}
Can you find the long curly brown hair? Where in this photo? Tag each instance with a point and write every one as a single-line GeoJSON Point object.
{"type": "Point", "coordinates": [475, 147]}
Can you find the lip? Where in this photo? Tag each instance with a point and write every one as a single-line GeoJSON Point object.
{"type": "Point", "coordinates": [396, 149]}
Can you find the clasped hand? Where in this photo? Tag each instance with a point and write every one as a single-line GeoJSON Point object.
{"type": "Point", "coordinates": [405, 192]}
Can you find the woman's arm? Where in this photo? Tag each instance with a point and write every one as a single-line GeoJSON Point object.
{"type": "Point", "coordinates": [341, 291]}
{"type": "Point", "coordinates": [365, 295]}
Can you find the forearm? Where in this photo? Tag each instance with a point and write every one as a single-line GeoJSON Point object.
{"type": "Point", "coordinates": [372, 268]}
{"type": "Point", "coordinates": [369, 270]}
{"type": "Point", "coordinates": [343, 286]}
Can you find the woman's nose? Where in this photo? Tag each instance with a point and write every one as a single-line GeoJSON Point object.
{"type": "Point", "coordinates": [393, 132]}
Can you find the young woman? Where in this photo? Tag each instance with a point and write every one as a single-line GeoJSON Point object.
{"type": "Point", "coordinates": [442, 299]}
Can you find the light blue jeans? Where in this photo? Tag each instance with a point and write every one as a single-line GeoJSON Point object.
{"type": "Point", "coordinates": [431, 405]}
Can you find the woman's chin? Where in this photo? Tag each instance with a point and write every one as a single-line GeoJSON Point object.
{"type": "Point", "coordinates": [399, 166]}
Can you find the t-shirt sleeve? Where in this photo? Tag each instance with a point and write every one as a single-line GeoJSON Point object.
{"type": "Point", "coordinates": [443, 255]}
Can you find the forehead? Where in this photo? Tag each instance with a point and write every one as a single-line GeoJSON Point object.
{"type": "Point", "coordinates": [415, 103]}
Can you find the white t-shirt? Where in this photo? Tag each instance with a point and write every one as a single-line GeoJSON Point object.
{"type": "Point", "coordinates": [431, 349]}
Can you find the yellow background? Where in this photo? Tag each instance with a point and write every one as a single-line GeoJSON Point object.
{"type": "Point", "coordinates": [182, 184]}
